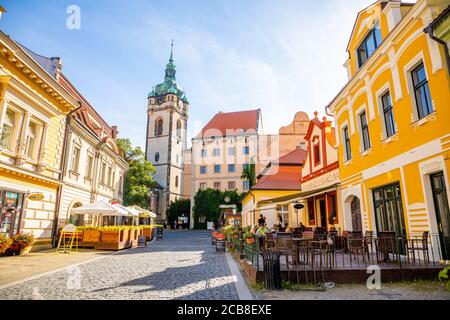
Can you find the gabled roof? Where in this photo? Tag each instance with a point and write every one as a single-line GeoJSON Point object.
{"type": "Point", "coordinates": [280, 178]}
{"type": "Point", "coordinates": [296, 157]}
{"type": "Point", "coordinates": [51, 65]}
{"type": "Point", "coordinates": [284, 173]}
{"type": "Point", "coordinates": [233, 122]}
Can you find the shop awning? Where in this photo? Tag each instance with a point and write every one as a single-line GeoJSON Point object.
{"type": "Point", "coordinates": [125, 211]}
{"type": "Point", "coordinates": [143, 212]}
{"type": "Point", "coordinates": [297, 196]}
{"type": "Point", "coordinates": [100, 208]}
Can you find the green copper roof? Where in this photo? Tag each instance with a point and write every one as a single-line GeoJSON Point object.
{"type": "Point", "coordinates": [169, 86]}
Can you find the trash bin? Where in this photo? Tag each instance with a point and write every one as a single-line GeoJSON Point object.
{"type": "Point", "coordinates": [272, 270]}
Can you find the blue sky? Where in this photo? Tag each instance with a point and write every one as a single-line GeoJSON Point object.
{"type": "Point", "coordinates": [282, 56]}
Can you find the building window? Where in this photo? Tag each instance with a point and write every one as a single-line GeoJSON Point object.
{"type": "Point", "coordinates": [283, 212]}
{"type": "Point", "coordinates": [316, 154]}
{"type": "Point", "coordinates": [110, 176]}
{"type": "Point", "coordinates": [231, 151]}
{"type": "Point", "coordinates": [179, 129]}
{"type": "Point", "coordinates": [157, 157]}
{"type": "Point", "coordinates": [31, 140]}
{"type": "Point", "coordinates": [176, 181]}
{"type": "Point", "coordinates": [246, 150]}
{"type": "Point", "coordinates": [311, 213]}
{"type": "Point", "coordinates": [347, 145]}
{"type": "Point", "coordinates": [389, 209]}
{"type": "Point", "coordinates": [103, 181]}
{"type": "Point", "coordinates": [388, 114]}
{"type": "Point", "coordinates": [364, 131]}
{"type": "Point", "coordinates": [159, 124]}
{"type": "Point", "coordinates": [120, 185]}
{"type": "Point", "coordinates": [216, 152]}
{"type": "Point", "coordinates": [370, 43]}
{"type": "Point", "coordinates": [217, 168]}
{"type": "Point", "coordinates": [421, 92]}
{"type": "Point", "coordinates": [231, 168]}
{"type": "Point", "coordinates": [203, 153]}
{"type": "Point", "coordinates": [216, 185]}
{"type": "Point", "coordinates": [203, 170]}
{"type": "Point", "coordinates": [246, 185]}
{"type": "Point", "coordinates": [89, 167]}
{"type": "Point", "coordinates": [75, 159]}
{"type": "Point", "coordinates": [8, 129]}
{"type": "Point", "coordinates": [332, 208]}
{"type": "Point", "coordinates": [203, 186]}
{"type": "Point", "coordinates": [231, 185]}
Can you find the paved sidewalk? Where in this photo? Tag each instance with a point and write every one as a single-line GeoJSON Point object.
{"type": "Point", "coordinates": [13, 269]}
{"type": "Point", "coordinates": [182, 266]}
{"type": "Point", "coordinates": [424, 290]}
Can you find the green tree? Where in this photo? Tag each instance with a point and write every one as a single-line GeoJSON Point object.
{"type": "Point", "coordinates": [140, 175]}
{"type": "Point", "coordinates": [178, 208]}
{"type": "Point", "coordinates": [249, 174]}
{"type": "Point", "coordinates": [206, 205]}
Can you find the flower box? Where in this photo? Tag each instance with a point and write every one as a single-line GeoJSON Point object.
{"type": "Point", "coordinates": [114, 240]}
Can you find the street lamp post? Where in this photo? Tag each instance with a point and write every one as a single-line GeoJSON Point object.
{"type": "Point", "coordinates": [298, 207]}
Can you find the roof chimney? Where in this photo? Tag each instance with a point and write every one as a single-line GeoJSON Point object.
{"type": "Point", "coordinates": [393, 13]}
{"type": "Point", "coordinates": [114, 132]}
{"type": "Point", "coordinates": [2, 11]}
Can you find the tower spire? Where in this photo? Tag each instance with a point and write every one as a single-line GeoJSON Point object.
{"type": "Point", "coordinates": [171, 51]}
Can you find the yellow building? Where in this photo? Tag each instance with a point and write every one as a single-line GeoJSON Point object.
{"type": "Point", "coordinates": [280, 178]}
{"type": "Point", "coordinates": [33, 111]}
{"type": "Point", "coordinates": [392, 121]}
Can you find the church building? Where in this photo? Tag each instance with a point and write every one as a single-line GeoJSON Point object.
{"type": "Point", "coordinates": [166, 138]}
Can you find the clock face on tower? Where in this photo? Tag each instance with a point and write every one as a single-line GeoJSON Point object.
{"type": "Point", "coordinates": [180, 104]}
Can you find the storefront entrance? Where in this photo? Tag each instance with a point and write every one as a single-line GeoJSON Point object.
{"type": "Point", "coordinates": [323, 214]}
{"type": "Point", "coordinates": [389, 209]}
{"type": "Point", "coordinates": [355, 207]}
{"type": "Point", "coordinates": [442, 211]}
{"type": "Point", "coordinates": [10, 209]}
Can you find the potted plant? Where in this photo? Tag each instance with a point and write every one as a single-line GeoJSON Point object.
{"type": "Point", "coordinates": [249, 238]}
{"type": "Point", "coordinates": [5, 243]}
{"type": "Point", "coordinates": [22, 243]}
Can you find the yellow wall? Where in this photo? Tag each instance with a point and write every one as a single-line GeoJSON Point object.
{"type": "Point", "coordinates": [417, 142]}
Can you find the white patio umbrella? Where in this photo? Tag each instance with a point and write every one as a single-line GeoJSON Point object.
{"type": "Point", "coordinates": [99, 207]}
{"type": "Point", "coordinates": [143, 212]}
{"type": "Point", "coordinates": [126, 211]}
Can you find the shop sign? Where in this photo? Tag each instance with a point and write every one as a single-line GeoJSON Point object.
{"type": "Point", "coordinates": [36, 196]}
{"type": "Point", "coordinates": [323, 181]}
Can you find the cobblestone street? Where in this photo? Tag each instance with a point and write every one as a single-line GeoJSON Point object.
{"type": "Point", "coordinates": [182, 266]}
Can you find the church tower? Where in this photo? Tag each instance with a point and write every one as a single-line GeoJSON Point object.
{"type": "Point", "coordinates": [166, 138]}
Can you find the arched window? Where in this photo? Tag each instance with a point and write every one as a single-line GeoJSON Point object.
{"type": "Point", "coordinates": [176, 182]}
{"type": "Point", "coordinates": [179, 129]}
{"type": "Point", "coordinates": [157, 157]}
{"type": "Point", "coordinates": [159, 123]}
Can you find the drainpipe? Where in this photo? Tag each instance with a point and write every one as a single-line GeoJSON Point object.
{"type": "Point", "coordinates": [61, 175]}
{"type": "Point", "coordinates": [429, 30]}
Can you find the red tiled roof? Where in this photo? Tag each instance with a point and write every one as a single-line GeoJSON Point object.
{"type": "Point", "coordinates": [296, 157]}
{"type": "Point", "coordinates": [224, 123]}
{"type": "Point", "coordinates": [280, 178]}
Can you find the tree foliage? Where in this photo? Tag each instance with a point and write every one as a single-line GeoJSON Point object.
{"type": "Point", "coordinates": [140, 175]}
{"type": "Point", "coordinates": [249, 174]}
{"type": "Point", "coordinates": [178, 208]}
{"type": "Point", "coordinates": [207, 202]}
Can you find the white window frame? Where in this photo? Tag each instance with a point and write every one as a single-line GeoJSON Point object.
{"type": "Point", "coordinates": [407, 70]}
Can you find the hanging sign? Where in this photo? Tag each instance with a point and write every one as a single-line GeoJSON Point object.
{"type": "Point", "coordinates": [36, 196]}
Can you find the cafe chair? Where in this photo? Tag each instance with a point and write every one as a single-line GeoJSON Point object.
{"type": "Point", "coordinates": [419, 244]}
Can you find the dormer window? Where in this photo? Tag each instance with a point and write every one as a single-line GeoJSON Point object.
{"type": "Point", "coordinates": [370, 43]}
{"type": "Point", "coordinates": [316, 154]}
